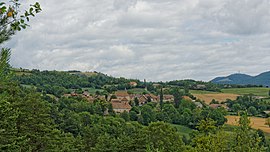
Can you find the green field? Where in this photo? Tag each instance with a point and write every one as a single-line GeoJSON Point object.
{"type": "Point", "coordinates": [202, 92]}
{"type": "Point", "coordinates": [137, 91]}
{"type": "Point", "coordinates": [244, 91]}
{"type": "Point", "coordinates": [92, 90]}
{"type": "Point", "coordinates": [183, 130]}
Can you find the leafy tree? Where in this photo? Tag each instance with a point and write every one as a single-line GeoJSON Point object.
{"type": "Point", "coordinates": [246, 139]}
{"type": "Point", "coordinates": [148, 115]}
{"type": "Point", "coordinates": [164, 137]}
{"type": "Point", "coordinates": [252, 110]}
{"type": "Point", "coordinates": [133, 116]}
{"type": "Point", "coordinates": [125, 116]}
{"type": "Point", "coordinates": [9, 138]}
{"type": "Point", "coordinates": [161, 98]}
{"type": "Point", "coordinates": [136, 101]}
{"type": "Point", "coordinates": [236, 107]}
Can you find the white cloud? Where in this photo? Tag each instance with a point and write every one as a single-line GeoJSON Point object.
{"type": "Point", "coordinates": [152, 39]}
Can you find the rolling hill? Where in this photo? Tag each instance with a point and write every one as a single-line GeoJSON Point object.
{"type": "Point", "coordinates": [244, 79]}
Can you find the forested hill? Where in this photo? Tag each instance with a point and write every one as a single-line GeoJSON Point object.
{"type": "Point", "coordinates": [58, 82]}
{"type": "Point", "coordinates": [243, 79]}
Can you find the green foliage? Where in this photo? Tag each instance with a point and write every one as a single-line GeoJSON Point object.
{"type": "Point", "coordinates": [258, 91]}
{"type": "Point", "coordinates": [159, 133]}
{"type": "Point", "coordinates": [147, 115]}
{"type": "Point", "coordinates": [246, 139]}
{"type": "Point", "coordinates": [252, 105]}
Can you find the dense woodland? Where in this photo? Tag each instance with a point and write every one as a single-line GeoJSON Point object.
{"type": "Point", "coordinates": [32, 120]}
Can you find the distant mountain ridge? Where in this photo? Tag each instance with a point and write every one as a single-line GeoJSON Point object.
{"type": "Point", "coordinates": [244, 79]}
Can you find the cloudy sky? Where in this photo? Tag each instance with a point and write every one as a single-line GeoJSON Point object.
{"type": "Point", "coordinates": [152, 39]}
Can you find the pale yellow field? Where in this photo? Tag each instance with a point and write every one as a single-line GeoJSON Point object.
{"type": "Point", "coordinates": [255, 122]}
{"type": "Point", "coordinates": [207, 98]}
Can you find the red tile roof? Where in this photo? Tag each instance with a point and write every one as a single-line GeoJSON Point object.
{"type": "Point", "coordinates": [121, 93]}
{"type": "Point", "coordinates": [120, 105]}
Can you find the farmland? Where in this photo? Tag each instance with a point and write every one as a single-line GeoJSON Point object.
{"type": "Point", "coordinates": [244, 91]}
{"type": "Point", "coordinates": [207, 98]}
{"type": "Point", "coordinates": [202, 92]}
{"type": "Point", "coordinates": [256, 123]}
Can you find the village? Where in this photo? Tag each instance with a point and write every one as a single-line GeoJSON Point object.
{"type": "Point", "coordinates": [121, 101]}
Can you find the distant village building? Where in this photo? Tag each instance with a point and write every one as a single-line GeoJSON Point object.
{"type": "Point", "coordinates": [198, 104]}
{"type": "Point", "coordinates": [187, 98]}
{"type": "Point", "coordinates": [133, 84]}
{"type": "Point", "coordinates": [215, 106]}
{"type": "Point", "coordinates": [168, 98]}
{"type": "Point", "coordinates": [120, 106]}
{"type": "Point", "coordinates": [122, 94]}
{"type": "Point", "coordinates": [200, 86]}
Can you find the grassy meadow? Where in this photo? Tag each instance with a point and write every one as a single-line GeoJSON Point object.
{"type": "Point", "coordinates": [244, 91]}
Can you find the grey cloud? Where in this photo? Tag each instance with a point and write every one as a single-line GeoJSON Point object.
{"type": "Point", "coordinates": [152, 39]}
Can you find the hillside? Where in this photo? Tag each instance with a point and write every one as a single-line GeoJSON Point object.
{"type": "Point", "coordinates": [243, 79]}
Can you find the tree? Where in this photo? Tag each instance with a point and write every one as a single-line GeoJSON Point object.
{"type": "Point", "coordinates": [161, 98]}
{"type": "Point", "coordinates": [125, 116]}
{"type": "Point", "coordinates": [133, 116]}
{"type": "Point", "coordinates": [267, 121]}
{"type": "Point", "coordinates": [236, 107]}
{"type": "Point", "coordinates": [149, 99]}
{"type": "Point", "coordinates": [10, 22]}
{"type": "Point", "coordinates": [170, 110]}
{"type": "Point", "coordinates": [246, 139]}
{"type": "Point", "coordinates": [209, 138]}
{"type": "Point", "coordinates": [148, 115]}
{"type": "Point", "coordinates": [163, 137]}
{"type": "Point", "coordinates": [9, 139]}
{"type": "Point", "coordinates": [252, 110]}
{"type": "Point", "coordinates": [136, 101]}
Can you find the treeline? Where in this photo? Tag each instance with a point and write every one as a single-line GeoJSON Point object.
{"type": "Point", "coordinates": [194, 85]}
{"type": "Point", "coordinates": [58, 83]}
{"type": "Point", "coordinates": [31, 121]}
{"type": "Point", "coordinates": [187, 114]}
{"type": "Point", "coordinates": [249, 103]}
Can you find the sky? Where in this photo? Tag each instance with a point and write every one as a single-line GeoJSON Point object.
{"type": "Point", "coordinates": [156, 40]}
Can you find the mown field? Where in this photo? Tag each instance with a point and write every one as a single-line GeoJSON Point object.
{"type": "Point", "coordinates": [207, 98]}
{"type": "Point", "coordinates": [202, 92]}
{"type": "Point", "coordinates": [256, 123]}
{"type": "Point", "coordinates": [245, 91]}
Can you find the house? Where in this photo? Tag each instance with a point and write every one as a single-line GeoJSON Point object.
{"type": "Point", "coordinates": [186, 98]}
{"type": "Point", "coordinates": [119, 106]}
{"type": "Point", "coordinates": [200, 87]}
{"type": "Point", "coordinates": [142, 100]}
{"type": "Point", "coordinates": [122, 94]}
{"type": "Point", "coordinates": [133, 84]}
{"type": "Point", "coordinates": [168, 98]}
{"type": "Point", "coordinates": [73, 94]}
{"type": "Point", "coordinates": [86, 94]}
{"type": "Point", "coordinates": [198, 104]}
{"type": "Point", "coordinates": [215, 106]}
{"type": "Point", "coordinates": [124, 100]}
{"type": "Point", "coordinates": [66, 95]}
{"type": "Point", "coordinates": [156, 85]}
{"type": "Point", "coordinates": [153, 98]}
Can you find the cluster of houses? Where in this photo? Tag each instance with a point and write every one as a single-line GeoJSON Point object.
{"type": "Point", "coordinates": [121, 100]}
